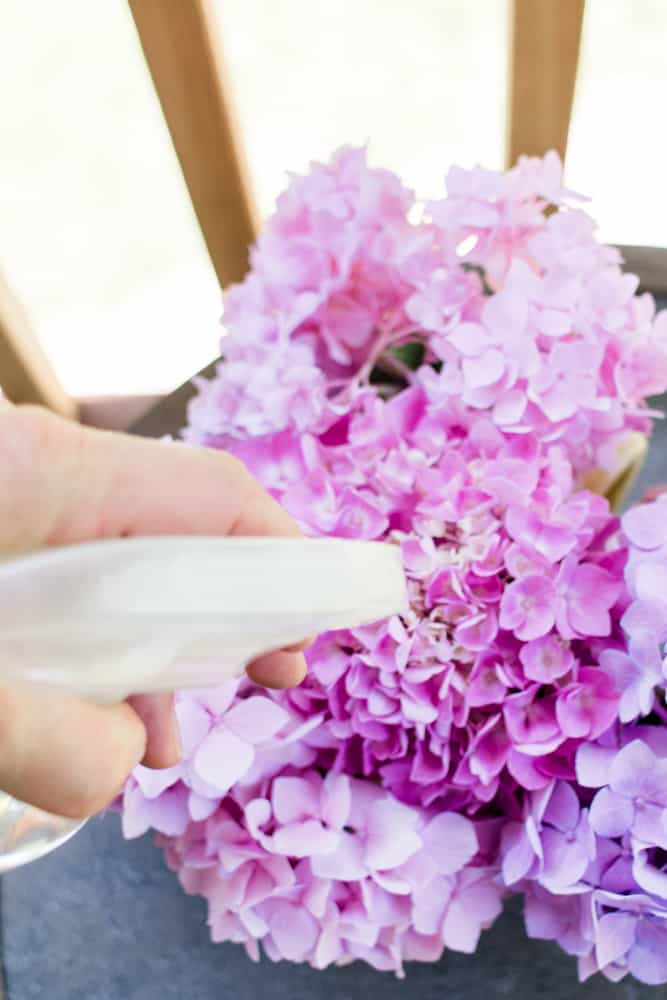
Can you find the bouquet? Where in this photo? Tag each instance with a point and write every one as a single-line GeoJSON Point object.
{"type": "Point", "coordinates": [448, 378]}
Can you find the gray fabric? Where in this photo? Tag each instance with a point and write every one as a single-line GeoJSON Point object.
{"type": "Point", "coordinates": [104, 920]}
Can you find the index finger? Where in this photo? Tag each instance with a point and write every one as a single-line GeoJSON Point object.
{"type": "Point", "coordinates": [70, 484]}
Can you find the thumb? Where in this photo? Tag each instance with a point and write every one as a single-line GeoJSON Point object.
{"type": "Point", "coordinates": [64, 755]}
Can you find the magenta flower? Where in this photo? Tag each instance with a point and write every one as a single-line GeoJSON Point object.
{"type": "Point", "coordinates": [532, 722]}
{"type": "Point", "coordinates": [442, 381]}
{"type": "Point", "coordinates": [546, 659]}
{"type": "Point", "coordinates": [528, 607]}
{"type": "Point", "coordinates": [552, 539]}
{"type": "Point", "coordinates": [588, 706]}
{"type": "Point", "coordinates": [586, 595]}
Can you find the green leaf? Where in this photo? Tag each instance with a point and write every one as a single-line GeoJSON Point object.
{"type": "Point", "coordinates": [411, 354]}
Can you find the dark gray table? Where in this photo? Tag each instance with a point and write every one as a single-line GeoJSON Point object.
{"type": "Point", "coordinates": [103, 919]}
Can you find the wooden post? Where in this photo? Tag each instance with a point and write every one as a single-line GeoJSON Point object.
{"type": "Point", "coordinates": [544, 52]}
{"type": "Point", "coordinates": [183, 54]}
{"type": "Point", "coordinates": [26, 375]}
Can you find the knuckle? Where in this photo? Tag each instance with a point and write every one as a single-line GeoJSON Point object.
{"type": "Point", "coordinates": [241, 481]}
{"type": "Point", "coordinates": [30, 437]}
{"type": "Point", "coordinates": [25, 427]}
{"type": "Point", "coordinates": [237, 471]}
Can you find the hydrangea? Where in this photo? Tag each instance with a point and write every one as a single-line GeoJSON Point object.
{"type": "Point", "coordinates": [563, 349]}
{"type": "Point", "coordinates": [318, 868]}
{"type": "Point", "coordinates": [611, 931]}
{"type": "Point", "coordinates": [444, 378]}
{"type": "Point", "coordinates": [641, 671]}
{"type": "Point", "coordinates": [607, 906]}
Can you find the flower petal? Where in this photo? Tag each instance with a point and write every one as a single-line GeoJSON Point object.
{"type": "Point", "coordinates": [222, 759]}
{"type": "Point", "coordinates": [611, 815]}
{"type": "Point", "coordinates": [451, 841]}
{"type": "Point", "coordinates": [256, 719]}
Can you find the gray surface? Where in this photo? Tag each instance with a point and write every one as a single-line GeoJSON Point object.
{"type": "Point", "coordinates": [654, 471]}
{"type": "Point", "coordinates": [104, 920]}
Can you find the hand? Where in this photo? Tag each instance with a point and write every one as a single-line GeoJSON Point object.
{"type": "Point", "coordinates": [61, 483]}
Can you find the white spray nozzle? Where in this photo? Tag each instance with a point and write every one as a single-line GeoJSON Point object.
{"type": "Point", "coordinates": [111, 618]}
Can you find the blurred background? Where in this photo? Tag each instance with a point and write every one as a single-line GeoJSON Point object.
{"type": "Point", "coordinates": [99, 238]}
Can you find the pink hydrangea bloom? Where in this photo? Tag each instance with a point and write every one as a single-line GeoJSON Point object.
{"type": "Point", "coordinates": [443, 380]}
{"type": "Point", "coordinates": [327, 870]}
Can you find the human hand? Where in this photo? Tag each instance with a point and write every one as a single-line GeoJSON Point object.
{"type": "Point", "coordinates": [60, 484]}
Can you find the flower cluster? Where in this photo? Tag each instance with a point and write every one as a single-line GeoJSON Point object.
{"type": "Point", "coordinates": [641, 671]}
{"type": "Point", "coordinates": [319, 869]}
{"type": "Point", "coordinates": [591, 854]}
{"type": "Point", "coordinates": [564, 349]}
{"type": "Point", "coordinates": [595, 865]}
{"type": "Point", "coordinates": [491, 679]}
{"type": "Point", "coordinates": [444, 382]}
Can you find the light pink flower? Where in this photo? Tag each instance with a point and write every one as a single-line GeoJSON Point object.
{"type": "Point", "coordinates": [442, 382]}
{"type": "Point", "coordinates": [528, 607]}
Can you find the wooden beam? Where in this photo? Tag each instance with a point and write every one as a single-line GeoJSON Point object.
{"type": "Point", "coordinates": [26, 375]}
{"type": "Point", "coordinates": [183, 53]}
{"type": "Point", "coordinates": [545, 37]}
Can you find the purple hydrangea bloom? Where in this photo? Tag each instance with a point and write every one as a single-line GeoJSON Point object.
{"type": "Point", "coordinates": [446, 382]}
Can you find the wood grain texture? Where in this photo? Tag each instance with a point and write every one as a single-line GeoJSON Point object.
{"type": "Point", "coordinates": [26, 375]}
{"type": "Point", "coordinates": [544, 53]}
{"type": "Point", "coordinates": [184, 56]}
